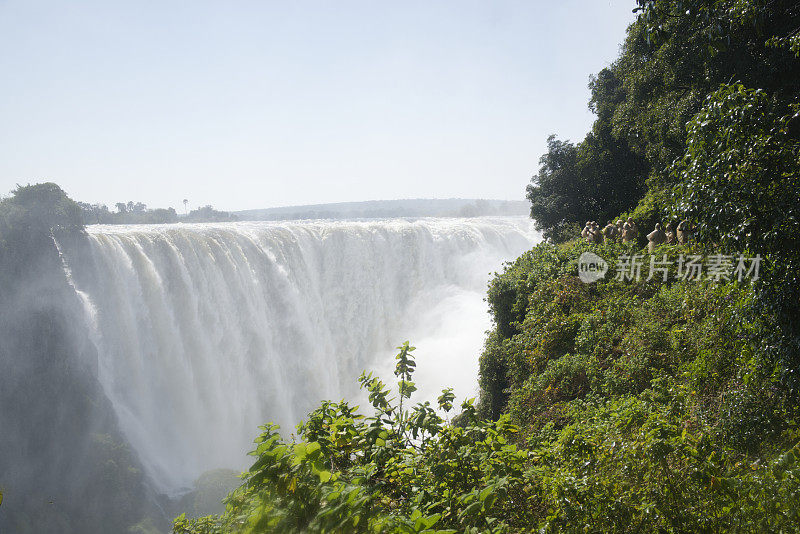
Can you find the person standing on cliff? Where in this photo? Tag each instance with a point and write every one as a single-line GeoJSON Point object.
{"type": "Point", "coordinates": [586, 233]}
{"type": "Point", "coordinates": [630, 231]}
{"type": "Point", "coordinates": [610, 231]}
{"type": "Point", "coordinates": [684, 232]}
{"type": "Point", "coordinates": [655, 238]}
{"type": "Point", "coordinates": [670, 234]}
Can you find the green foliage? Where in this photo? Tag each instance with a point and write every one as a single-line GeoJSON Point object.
{"type": "Point", "coordinates": [598, 178]}
{"type": "Point", "coordinates": [209, 490]}
{"type": "Point", "coordinates": [138, 213]}
{"type": "Point", "coordinates": [722, 22]}
{"type": "Point", "coordinates": [620, 463]}
{"type": "Point", "coordinates": [740, 182]}
{"type": "Point", "coordinates": [740, 177]}
{"type": "Point", "coordinates": [706, 373]}
{"type": "Point", "coordinates": [34, 212]}
{"type": "Point", "coordinates": [399, 470]}
{"type": "Point", "coordinates": [647, 465]}
{"type": "Point", "coordinates": [676, 54]}
{"type": "Point", "coordinates": [29, 219]}
{"type": "Point", "coordinates": [645, 406]}
{"type": "Point", "coordinates": [566, 339]}
{"type": "Point", "coordinates": [127, 213]}
{"type": "Point", "coordinates": [209, 214]}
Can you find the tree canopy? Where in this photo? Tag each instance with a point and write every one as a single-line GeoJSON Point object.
{"type": "Point", "coordinates": [675, 55]}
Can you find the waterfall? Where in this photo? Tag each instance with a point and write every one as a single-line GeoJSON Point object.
{"type": "Point", "coordinates": [205, 331]}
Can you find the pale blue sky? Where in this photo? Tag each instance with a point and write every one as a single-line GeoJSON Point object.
{"type": "Point", "coordinates": [258, 104]}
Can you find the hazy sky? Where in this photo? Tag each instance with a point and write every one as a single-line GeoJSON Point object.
{"type": "Point", "coordinates": [258, 104]}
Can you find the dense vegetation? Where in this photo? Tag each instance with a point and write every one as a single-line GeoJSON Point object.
{"type": "Point", "coordinates": [666, 404]}
{"type": "Point", "coordinates": [138, 213]}
{"type": "Point", "coordinates": [675, 55]}
{"type": "Point", "coordinates": [638, 407]}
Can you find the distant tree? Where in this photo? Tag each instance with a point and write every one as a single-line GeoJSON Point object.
{"type": "Point", "coordinates": [136, 207]}
{"type": "Point", "coordinates": [209, 214]}
{"type": "Point", "coordinates": [129, 213]}
{"type": "Point", "coordinates": [95, 213]}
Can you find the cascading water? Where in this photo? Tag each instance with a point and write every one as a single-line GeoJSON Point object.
{"type": "Point", "coordinates": [206, 331]}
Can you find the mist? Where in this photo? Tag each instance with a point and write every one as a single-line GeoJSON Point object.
{"type": "Point", "coordinates": [146, 356]}
{"type": "Point", "coordinates": [206, 331]}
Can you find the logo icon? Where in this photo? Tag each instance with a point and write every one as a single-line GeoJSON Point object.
{"type": "Point", "coordinates": [591, 267]}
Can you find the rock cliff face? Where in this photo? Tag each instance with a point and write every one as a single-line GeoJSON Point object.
{"type": "Point", "coordinates": [64, 465]}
